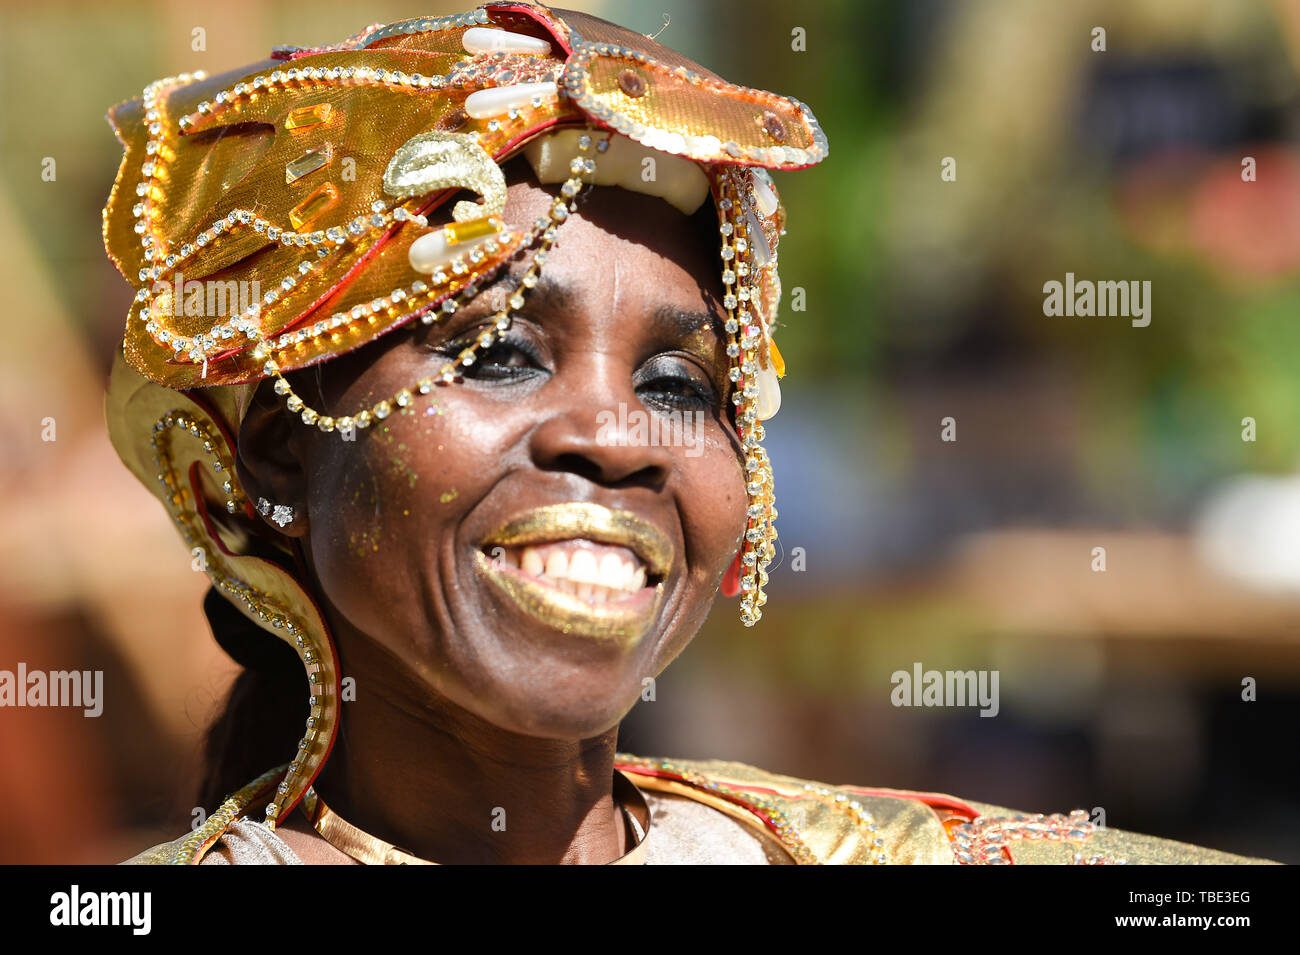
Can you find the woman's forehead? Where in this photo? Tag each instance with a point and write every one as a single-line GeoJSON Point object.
{"type": "Point", "coordinates": [614, 223]}
{"type": "Point", "coordinates": [664, 301]}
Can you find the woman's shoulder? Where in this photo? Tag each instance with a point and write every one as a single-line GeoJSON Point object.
{"type": "Point", "coordinates": [820, 823]}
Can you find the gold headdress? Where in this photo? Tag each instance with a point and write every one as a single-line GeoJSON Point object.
{"type": "Point", "coordinates": [277, 217]}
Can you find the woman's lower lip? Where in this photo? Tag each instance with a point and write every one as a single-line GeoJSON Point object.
{"type": "Point", "coordinates": [623, 623]}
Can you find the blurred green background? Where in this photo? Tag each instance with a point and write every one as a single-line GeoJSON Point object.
{"type": "Point", "coordinates": [1120, 689]}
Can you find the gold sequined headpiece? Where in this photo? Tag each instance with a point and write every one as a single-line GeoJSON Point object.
{"type": "Point", "coordinates": [276, 217]}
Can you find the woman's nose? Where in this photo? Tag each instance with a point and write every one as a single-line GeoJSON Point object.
{"type": "Point", "coordinates": [595, 426]}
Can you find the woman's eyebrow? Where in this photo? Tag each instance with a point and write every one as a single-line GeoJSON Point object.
{"type": "Point", "coordinates": [553, 294]}
{"type": "Point", "coordinates": [683, 322]}
{"type": "Point", "coordinates": [548, 292]}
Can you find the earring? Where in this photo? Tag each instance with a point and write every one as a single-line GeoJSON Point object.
{"type": "Point", "coordinates": [281, 514]}
{"type": "Point", "coordinates": [731, 579]}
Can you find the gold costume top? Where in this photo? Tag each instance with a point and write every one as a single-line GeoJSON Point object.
{"type": "Point", "coordinates": [712, 812]}
{"type": "Point", "coordinates": [321, 179]}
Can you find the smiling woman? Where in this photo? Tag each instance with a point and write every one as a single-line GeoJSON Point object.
{"type": "Point", "coordinates": [396, 465]}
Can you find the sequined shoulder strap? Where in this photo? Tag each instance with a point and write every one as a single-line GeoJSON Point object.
{"type": "Point", "coordinates": [815, 823]}
{"type": "Point", "coordinates": [191, 848]}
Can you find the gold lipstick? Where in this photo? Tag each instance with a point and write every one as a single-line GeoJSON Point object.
{"type": "Point", "coordinates": [622, 622]}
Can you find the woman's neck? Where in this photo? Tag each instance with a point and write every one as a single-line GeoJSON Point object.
{"type": "Point", "coordinates": [449, 787]}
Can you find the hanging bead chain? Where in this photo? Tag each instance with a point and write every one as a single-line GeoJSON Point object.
{"type": "Point", "coordinates": [582, 168]}
{"type": "Point", "coordinates": [757, 549]}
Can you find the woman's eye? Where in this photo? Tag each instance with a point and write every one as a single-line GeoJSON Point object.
{"type": "Point", "coordinates": [502, 354]}
{"type": "Point", "coordinates": [504, 358]}
{"type": "Point", "coordinates": [678, 391]}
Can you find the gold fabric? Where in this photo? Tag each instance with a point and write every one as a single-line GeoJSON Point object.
{"type": "Point", "coordinates": [912, 832]}
{"type": "Point", "coordinates": [1133, 847]}
{"type": "Point", "coordinates": [691, 825]}
{"type": "Point", "coordinates": [231, 159]}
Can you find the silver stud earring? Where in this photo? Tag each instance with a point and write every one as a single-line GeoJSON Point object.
{"type": "Point", "coordinates": [281, 514]}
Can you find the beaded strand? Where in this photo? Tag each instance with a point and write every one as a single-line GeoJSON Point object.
{"type": "Point", "coordinates": [757, 549]}
{"type": "Point", "coordinates": [582, 168]}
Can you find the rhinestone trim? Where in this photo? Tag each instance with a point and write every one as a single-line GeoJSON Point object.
{"type": "Point", "coordinates": [986, 839]}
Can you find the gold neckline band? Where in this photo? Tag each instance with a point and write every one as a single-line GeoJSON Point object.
{"type": "Point", "coordinates": [371, 850]}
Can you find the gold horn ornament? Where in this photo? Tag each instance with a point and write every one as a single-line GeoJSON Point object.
{"type": "Point", "coordinates": [438, 160]}
{"type": "Point", "coordinates": [187, 454]}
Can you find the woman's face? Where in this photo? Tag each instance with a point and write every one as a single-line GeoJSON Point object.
{"type": "Point", "coordinates": [496, 543]}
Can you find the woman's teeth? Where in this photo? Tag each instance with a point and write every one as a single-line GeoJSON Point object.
{"type": "Point", "coordinates": [596, 573]}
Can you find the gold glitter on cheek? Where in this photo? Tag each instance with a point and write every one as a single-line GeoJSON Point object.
{"type": "Point", "coordinates": [358, 542]}
{"type": "Point", "coordinates": [448, 496]}
{"type": "Point", "coordinates": [362, 543]}
{"type": "Point", "coordinates": [402, 469]}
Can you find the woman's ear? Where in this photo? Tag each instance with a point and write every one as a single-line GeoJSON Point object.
{"type": "Point", "coordinates": [268, 464]}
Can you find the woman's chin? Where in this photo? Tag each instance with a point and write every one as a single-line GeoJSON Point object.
{"type": "Point", "coordinates": [559, 711]}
